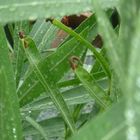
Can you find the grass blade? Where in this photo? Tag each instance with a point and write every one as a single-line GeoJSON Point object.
{"type": "Point", "coordinates": [10, 122]}
{"type": "Point", "coordinates": [95, 91]}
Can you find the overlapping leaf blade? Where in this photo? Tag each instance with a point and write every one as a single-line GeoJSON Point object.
{"type": "Point", "coordinates": [37, 127]}
{"type": "Point", "coordinates": [71, 47]}
{"type": "Point", "coordinates": [43, 33]}
{"type": "Point", "coordinates": [57, 69]}
{"type": "Point", "coordinates": [125, 112]}
{"type": "Point", "coordinates": [46, 80]}
{"type": "Point", "coordinates": [54, 127]}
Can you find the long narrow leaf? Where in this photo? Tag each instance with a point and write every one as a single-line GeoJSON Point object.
{"type": "Point", "coordinates": [95, 91]}
{"type": "Point", "coordinates": [10, 122]}
{"type": "Point", "coordinates": [21, 10]}
{"type": "Point", "coordinates": [46, 81]}
{"type": "Point", "coordinates": [57, 64]}
{"type": "Point", "coordinates": [109, 36]}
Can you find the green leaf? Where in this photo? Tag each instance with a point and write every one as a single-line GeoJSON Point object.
{"type": "Point", "coordinates": [131, 87]}
{"type": "Point", "coordinates": [48, 84]}
{"type": "Point", "coordinates": [15, 10]}
{"type": "Point", "coordinates": [124, 46]}
{"type": "Point", "coordinates": [104, 127]}
{"type": "Point", "coordinates": [95, 91]}
{"type": "Point", "coordinates": [73, 82]}
{"type": "Point", "coordinates": [83, 41]}
{"type": "Point", "coordinates": [43, 33]}
{"type": "Point", "coordinates": [31, 88]}
{"type": "Point", "coordinates": [109, 36]}
{"type": "Point", "coordinates": [77, 95]}
{"type": "Point", "coordinates": [57, 62]}
{"type": "Point", "coordinates": [126, 114]}
{"type": "Point", "coordinates": [10, 122]}
{"type": "Point", "coordinates": [97, 66]}
{"type": "Point", "coordinates": [37, 126]}
{"type": "Point", "coordinates": [19, 54]}
{"type": "Point", "coordinates": [54, 127]}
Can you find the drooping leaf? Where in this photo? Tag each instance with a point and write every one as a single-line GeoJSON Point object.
{"type": "Point", "coordinates": [83, 41]}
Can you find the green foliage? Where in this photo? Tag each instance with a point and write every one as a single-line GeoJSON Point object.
{"type": "Point", "coordinates": [32, 9]}
{"type": "Point", "coordinates": [90, 84]}
{"type": "Point", "coordinates": [10, 121]}
{"type": "Point", "coordinates": [51, 93]}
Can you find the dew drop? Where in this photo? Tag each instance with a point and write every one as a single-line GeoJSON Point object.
{"type": "Point", "coordinates": [61, 14]}
{"type": "Point", "coordinates": [20, 82]}
{"type": "Point", "coordinates": [14, 130]}
{"type": "Point", "coordinates": [132, 133]}
{"type": "Point", "coordinates": [130, 114]}
{"type": "Point", "coordinates": [33, 17]}
{"type": "Point", "coordinates": [30, 111]}
{"type": "Point", "coordinates": [61, 39]}
{"type": "Point", "coordinates": [34, 3]}
{"type": "Point", "coordinates": [15, 136]}
{"type": "Point", "coordinates": [78, 1]}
